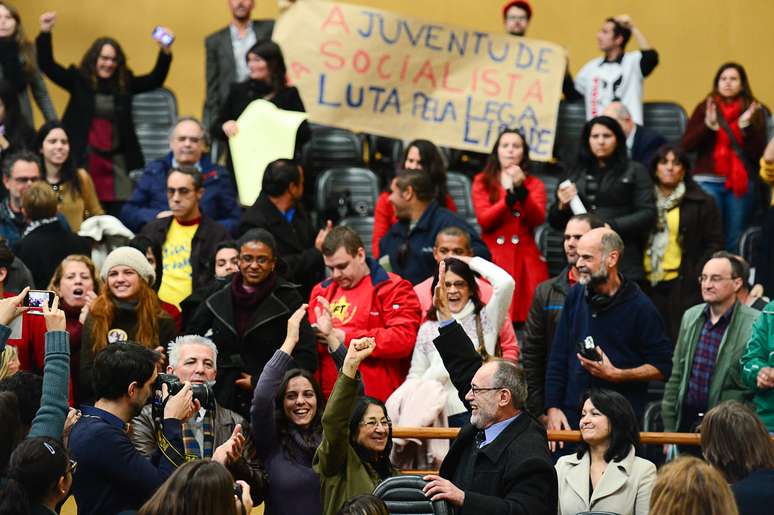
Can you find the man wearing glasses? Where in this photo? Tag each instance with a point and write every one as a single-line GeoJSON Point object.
{"type": "Point", "coordinates": [712, 338]}
{"type": "Point", "coordinates": [499, 463]}
{"type": "Point", "coordinates": [20, 170]}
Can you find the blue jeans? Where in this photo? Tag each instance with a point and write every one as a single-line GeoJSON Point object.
{"type": "Point", "coordinates": [734, 211]}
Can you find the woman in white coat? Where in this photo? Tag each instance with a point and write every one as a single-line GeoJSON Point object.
{"type": "Point", "coordinates": [481, 322]}
{"type": "Point", "coordinates": [604, 474]}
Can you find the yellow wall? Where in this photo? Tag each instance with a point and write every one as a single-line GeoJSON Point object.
{"type": "Point", "coordinates": [693, 36]}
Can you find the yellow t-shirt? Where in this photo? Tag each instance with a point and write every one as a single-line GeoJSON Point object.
{"type": "Point", "coordinates": [176, 283]}
{"type": "Point", "coordinates": [673, 253]}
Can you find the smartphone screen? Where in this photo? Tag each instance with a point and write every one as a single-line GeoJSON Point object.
{"type": "Point", "coordinates": [36, 299]}
{"type": "Point", "coordinates": [162, 36]}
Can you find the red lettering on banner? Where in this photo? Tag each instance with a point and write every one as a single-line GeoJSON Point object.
{"type": "Point", "coordinates": [493, 88]}
{"type": "Point", "coordinates": [379, 67]}
{"type": "Point", "coordinates": [446, 73]}
{"type": "Point", "coordinates": [339, 60]}
{"type": "Point", "coordinates": [335, 18]}
{"type": "Point", "coordinates": [404, 68]}
{"type": "Point", "coordinates": [363, 57]}
{"type": "Point", "coordinates": [298, 69]}
{"type": "Point", "coordinates": [425, 71]}
{"type": "Point", "coordinates": [474, 81]}
{"type": "Point", "coordinates": [512, 79]}
{"type": "Point", "coordinates": [535, 90]}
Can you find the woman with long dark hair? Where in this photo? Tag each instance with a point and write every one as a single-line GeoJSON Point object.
{"type": "Point", "coordinates": [286, 422]}
{"type": "Point", "coordinates": [127, 309]}
{"type": "Point", "coordinates": [728, 121]}
{"type": "Point", "coordinates": [354, 455]}
{"type": "Point", "coordinates": [615, 188]}
{"type": "Point", "coordinates": [604, 474]}
{"type": "Point", "coordinates": [420, 154]}
{"type": "Point", "coordinates": [73, 186]}
{"type": "Point", "coordinates": [510, 203]}
{"type": "Point", "coordinates": [16, 133]}
{"type": "Point", "coordinates": [19, 66]}
{"type": "Point", "coordinates": [687, 232]}
{"type": "Point", "coordinates": [98, 116]}
{"type": "Point", "coordinates": [39, 476]}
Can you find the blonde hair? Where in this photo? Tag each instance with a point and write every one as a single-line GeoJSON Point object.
{"type": "Point", "coordinates": [9, 354]}
{"type": "Point", "coordinates": [689, 486]}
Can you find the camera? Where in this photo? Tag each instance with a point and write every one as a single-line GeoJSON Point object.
{"type": "Point", "coordinates": [588, 349]}
{"type": "Point", "coordinates": [201, 392]}
{"type": "Point", "coordinates": [238, 491]}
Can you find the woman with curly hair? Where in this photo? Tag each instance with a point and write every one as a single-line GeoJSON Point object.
{"type": "Point", "coordinates": [18, 64]}
{"type": "Point", "coordinates": [127, 310]}
{"type": "Point", "coordinates": [98, 116]}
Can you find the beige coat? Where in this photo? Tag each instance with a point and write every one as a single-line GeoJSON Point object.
{"type": "Point", "coordinates": [624, 487]}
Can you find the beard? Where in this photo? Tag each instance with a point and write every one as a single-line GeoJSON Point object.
{"type": "Point", "coordinates": [593, 279]}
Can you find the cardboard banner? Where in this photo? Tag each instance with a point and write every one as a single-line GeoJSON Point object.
{"type": "Point", "coordinates": [375, 71]}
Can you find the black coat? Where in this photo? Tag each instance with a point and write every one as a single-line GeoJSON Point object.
{"type": "Point", "coordinates": [646, 142]}
{"type": "Point", "coordinates": [203, 245]}
{"type": "Point", "coordinates": [512, 475]}
{"type": "Point", "coordinates": [295, 241]}
{"type": "Point", "coordinates": [80, 107]}
{"type": "Point", "coordinates": [250, 352]}
{"type": "Point", "coordinates": [45, 247]}
{"type": "Point", "coordinates": [624, 199]}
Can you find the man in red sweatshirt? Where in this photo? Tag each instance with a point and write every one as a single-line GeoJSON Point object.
{"type": "Point", "coordinates": [362, 299]}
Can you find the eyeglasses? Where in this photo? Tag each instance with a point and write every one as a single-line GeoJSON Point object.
{"type": "Point", "coordinates": [713, 279]}
{"type": "Point", "coordinates": [458, 285]}
{"type": "Point", "coordinates": [184, 192]}
{"type": "Point", "coordinates": [372, 423]}
{"type": "Point", "coordinates": [260, 260]}
{"type": "Point", "coordinates": [476, 390]}
{"type": "Point", "coordinates": [24, 180]}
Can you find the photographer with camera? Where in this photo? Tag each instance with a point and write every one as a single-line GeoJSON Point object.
{"type": "Point", "coordinates": [112, 475]}
{"type": "Point", "coordinates": [212, 431]}
{"type": "Point", "coordinates": [610, 335]}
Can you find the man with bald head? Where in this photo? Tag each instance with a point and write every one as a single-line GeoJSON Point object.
{"type": "Point", "coordinates": [641, 142]}
{"type": "Point", "coordinates": [610, 335]}
{"type": "Point", "coordinates": [499, 462]}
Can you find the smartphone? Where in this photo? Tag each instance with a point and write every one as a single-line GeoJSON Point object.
{"type": "Point", "coordinates": [36, 299]}
{"type": "Point", "coordinates": [162, 36]}
{"type": "Point", "coordinates": [588, 349]}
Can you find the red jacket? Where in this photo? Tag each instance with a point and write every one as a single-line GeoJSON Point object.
{"type": "Point", "coordinates": [508, 232]}
{"type": "Point", "coordinates": [382, 305]}
{"type": "Point", "coordinates": [384, 218]}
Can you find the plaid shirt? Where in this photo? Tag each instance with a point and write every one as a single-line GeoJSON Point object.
{"type": "Point", "coordinates": [704, 358]}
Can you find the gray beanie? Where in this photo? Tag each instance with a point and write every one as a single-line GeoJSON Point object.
{"type": "Point", "coordinates": [131, 257]}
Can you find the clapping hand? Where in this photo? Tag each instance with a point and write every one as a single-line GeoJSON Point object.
{"type": "Point", "coordinates": [230, 450]}
{"type": "Point", "coordinates": [440, 298]}
{"type": "Point", "coordinates": [711, 115]}
{"type": "Point", "coordinates": [10, 308]}
{"type": "Point", "coordinates": [746, 117]}
{"type": "Point", "coordinates": [516, 175]}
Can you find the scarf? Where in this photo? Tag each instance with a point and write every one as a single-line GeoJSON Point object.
{"type": "Point", "coordinates": [304, 444]}
{"type": "Point", "coordinates": [727, 163]}
{"type": "Point", "coordinates": [659, 238]}
{"type": "Point", "coordinates": [245, 302]}
{"type": "Point", "coordinates": [191, 444]}
{"type": "Point", "coordinates": [39, 223]}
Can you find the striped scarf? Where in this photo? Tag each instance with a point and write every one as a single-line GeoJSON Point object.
{"type": "Point", "coordinates": [191, 444]}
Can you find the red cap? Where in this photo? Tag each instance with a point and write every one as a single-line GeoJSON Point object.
{"type": "Point", "coordinates": [523, 4]}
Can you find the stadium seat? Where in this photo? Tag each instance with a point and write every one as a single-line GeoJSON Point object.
{"type": "Point", "coordinates": [467, 162]}
{"type": "Point", "coordinates": [569, 124]}
{"type": "Point", "coordinates": [459, 188]}
{"type": "Point", "coordinates": [550, 242]}
{"type": "Point", "coordinates": [358, 186]}
{"type": "Point", "coordinates": [154, 114]}
{"type": "Point", "coordinates": [364, 227]}
{"type": "Point", "coordinates": [666, 118]}
{"type": "Point", "coordinates": [330, 147]}
{"type": "Point", "coordinates": [750, 243]}
{"type": "Point", "coordinates": [403, 494]}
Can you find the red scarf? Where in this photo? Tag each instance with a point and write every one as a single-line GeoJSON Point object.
{"type": "Point", "coordinates": [727, 163]}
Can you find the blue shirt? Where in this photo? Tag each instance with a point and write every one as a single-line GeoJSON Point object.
{"type": "Point", "coordinates": [494, 430]}
{"type": "Point", "coordinates": [112, 476]}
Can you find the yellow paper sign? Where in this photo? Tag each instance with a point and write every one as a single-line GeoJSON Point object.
{"type": "Point", "coordinates": [370, 70]}
{"type": "Point", "coordinates": [265, 133]}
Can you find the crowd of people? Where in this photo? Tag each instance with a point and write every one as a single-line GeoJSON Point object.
{"type": "Point", "coordinates": [210, 357]}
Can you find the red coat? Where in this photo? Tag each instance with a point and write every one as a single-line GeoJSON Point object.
{"type": "Point", "coordinates": [384, 218]}
{"type": "Point", "coordinates": [509, 234]}
{"type": "Point", "coordinates": [381, 305]}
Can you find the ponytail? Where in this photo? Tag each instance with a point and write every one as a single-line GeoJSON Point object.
{"type": "Point", "coordinates": [34, 470]}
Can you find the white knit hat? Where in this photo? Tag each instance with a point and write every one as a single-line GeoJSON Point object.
{"type": "Point", "coordinates": [131, 257]}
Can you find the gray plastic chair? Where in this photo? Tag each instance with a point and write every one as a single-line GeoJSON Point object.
{"type": "Point", "coordinates": [154, 114]}
{"type": "Point", "coordinates": [666, 118]}
{"type": "Point", "coordinates": [403, 495]}
{"type": "Point", "coordinates": [362, 184]}
{"type": "Point", "coordinates": [459, 187]}
{"type": "Point", "coordinates": [364, 227]}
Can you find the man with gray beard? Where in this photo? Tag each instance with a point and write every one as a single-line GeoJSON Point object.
{"type": "Point", "coordinates": [610, 335]}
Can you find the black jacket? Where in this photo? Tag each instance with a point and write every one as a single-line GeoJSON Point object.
{"type": "Point", "coordinates": [80, 107]}
{"type": "Point", "coordinates": [512, 475]}
{"type": "Point", "coordinates": [624, 199]}
{"type": "Point", "coordinates": [203, 245]}
{"type": "Point", "coordinates": [249, 353]}
{"type": "Point", "coordinates": [295, 241]}
{"type": "Point", "coordinates": [544, 313]}
{"type": "Point", "coordinates": [45, 247]}
{"type": "Point", "coordinates": [646, 142]}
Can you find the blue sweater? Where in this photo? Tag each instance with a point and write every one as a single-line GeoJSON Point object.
{"type": "Point", "coordinates": [630, 332]}
{"type": "Point", "coordinates": [419, 263]}
{"type": "Point", "coordinates": [112, 475]}
{"type": "Point", "coordinates": [149, 197]}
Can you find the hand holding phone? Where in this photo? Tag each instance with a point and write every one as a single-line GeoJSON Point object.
{"type": "Point", "coordinates": [36, 299]}
{"type": "Point", "coordinates": [163, 35]}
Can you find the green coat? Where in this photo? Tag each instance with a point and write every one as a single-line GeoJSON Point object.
{"type": "Point", "coordinates": [343, 475]}
{"type": "Point", "coordinates": [726, 383]}
{"type": "Point", "coordinates": [760, 354]}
